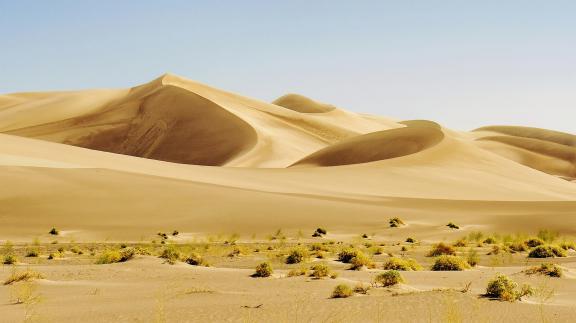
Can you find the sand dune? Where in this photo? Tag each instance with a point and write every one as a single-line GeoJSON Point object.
{"type": "Point", "coordinates": [120, 163]}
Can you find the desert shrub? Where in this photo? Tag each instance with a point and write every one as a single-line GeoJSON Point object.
{"type": "Point", "coordinates": [451, 225]}
{"type": "Point", "coordinates": [10, 259]}
{"type": "Point", "coordinates": [333, 275]}
{"type": "Point", "coordinates": [109, 256]}
{"type": "Point", "coordinates": [127, 254]}
{"type": "Point", "coordinates": [361, 288]}
{"type": "Point", "coordinates": [546, 251]}
{"type": "Point", "coordinates": [441, 249]}
{"type": "Point", "coordinates": [534, 242]}
{"type": "Point", "coordinates": [503, 288]}
{"type": "Point", "coordinates": [450, 263]}
{"type": "Point", "coordinates": [195, 259]}
{"type": "Point", "coordinates": [404, 264]}
{"type": "Point", "coordinates": [171, 255]}
{"type": "Point", "coordinates": [472, 258]}
{"type": "Point", "coordinates": [364, 236]}
{"type": "Point", "coordinates": [376, 250]}
{"type": "Point", "coordinates": [318, 247]}
{"type": "Point", "coordinates": [389, 278]}
{"type": "Point", "coordinates": [54, 232]}
{"type": "Point", "coordinates": [53, 255]}
{"type": "Point", "coordinates": [236, 252]}
{"type": "Point", "coordinates": [547, 269]}
{"type": "Point", "coordinates": [460, 243]}
{"type": "Point", "coordinates": [347, 254]}
{"type": "Point", "coordinates": [319, 232]}
{"type": "Point", "coordinates": [32, 252]}
{"type": "Point", "coordinates": [497, 249]}
{"type": "Point", "coordinates": [475, 236]}
{"type": "Point", "coordinates": [297, 255]}
{"type": "Point", "coordinates": [360, 260]}
{"type": "Point", "coordinates": [567, 245]}
{"type": "Point", "coordinates": [489, 240]}
{"type": "Point", "coordinates": [27, 275]}
{"type": "Point", "coordinates": [547, 235]}
{"type": "Point", "coordinates": [410, 240]}
{"type": "Point", "coordinates": [342, 291]}
{"type": "Point", "coordinates": [517, 246]}
{"type": "Point", "coordinates": [396, 222]}
{"type": "Point", "coordinates": [263, 270]}
{"type": "Point", "coordinates": [175, 233]}
{"type": "Point", "coordinates": [319, 271]}
{"type": "Point", "coordinates": [297, 272]}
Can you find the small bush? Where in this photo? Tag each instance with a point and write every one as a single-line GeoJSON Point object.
{"type": "Point", "coordinates": [171, 255]}
{"type": "Point", "coordinates": [195, 259]}
{"type": "Point", "coordinates": [396, 222]}
{"type": "Point", "coordinates": [175, 233]}
{"type": "Point", "coordinates": [364, 236]}
{"type": "Point", "coordinates": [342, 291]}
{"type": "Point", "coordinates": [319, 271]}
{"type": "Point", "coordinates": [127, 254]}
{"type": "Point", "coordinates": [54, 232]}
{"type": "Point", "coordinates": [27, 275]}
{"type": "Point", "coordinates": [410, 240]}
{"type": "Point", "coordinates": [489, 240]}
{"type": "Point", "coordinates": [263, 270]}
{"type": "Point", "coordinates": [297, 255]}
{"type": "Point", "coordinates": [389, 278]}
{"type": "Point", "coordinates": [361, 288]}
{"type": "Point", "coordinates": [517, 246]}
{"type": "Point", "coordinates": [361, 260]}
{"type": "Point", "coordinates": [297, 272]}
{"type": "Point", "coordinates": [334, 275]}
{"type": "Point", "coordinates": [460, 243]}
{"type": "Point", "coordinates": [451, 225]}
{"type": "Point", "coordinates": [450, 263]}
{"type": "Point", "coordinates": [319, 232]}
{"type": "Point", "coordinates": [10, 259]}
{"type": "Point", "coordinates": [32, 252]}
{"type": "Point", "coordinates": [567, 245]}
{"type": "Point", "coordinates": [503, 288]}
{"type": "Point", "coordinates": [534, 242]}
{"type": "Point", "coordinates": [347, 254]}
{"type": "Point", "coordinates": [109, 257]}
{"type": "Point", "coordinates": [472, 258]}
{"type": "Point", "coordinates": [547, 235]}
{"type": "Point", "coordinates": [547, 269]}
{"type": "Point", "coordinates": [441, 249]}
{"type": "Point", "coordinates": [546, 251]}
{"type": "Point", "coordinates": [403, 264]}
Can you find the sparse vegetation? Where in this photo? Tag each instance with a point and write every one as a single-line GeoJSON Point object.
{"type": "Point", "coordinates": [263, 270]}
{"type": "Point", "coordinates": [410, 240]}
{"type": "Point", "coordinates": [441, 249]}
{"type": "Point", "coordinates": [473, 257]}
{"type": "Point", "coordinates": [548, 236]}
{"type": "Point", "coordinates": [297, 272]}
{"type": "Point", "coordinates": [360, 261]}
{"type": "Point", "coordinates": [319, 271]}
{"type": "Point", "coordinates": [297, 255]}
{"type": "Point", "coordinates": [27, 275]}
{"type": "Point", "coordinates": [10, 259]}
{"type": "Point", "coordinates": [534, 242]}
{"type": "Point", "coordinates": [175, 233]}
{"type": "Point", "coordinates": [195, 259]}
{"type": "Point", "coordinates": [450, 263]}
{"type": "Point", "coordinates": [171, 254]}
{"type": "Point", "coordinates": [347, 254]}
{"type": "Point", "coordinates": [460, 242]}
{"type": "Point", "coordinates": [389, 278]}
{"type": "Point", "coordinates": [503, 288]}
{"type": "Point", "coordinates": [396, 222]}
{"type": "Point", "coordinates": [361, 289]}
{"type": "Point", "coordinates": [54, 232]}
{"type": "Point", "coordinates": [319, 232]}
{"type": "Point", "coordinates": [32, 252]}
{"type": "Point", "coordinates": [342, 291]}
{"type": "Point", "coordinates": [547, 269]}
{"type": "Point", "coordinates": [403, 264]}
{"type": "Point", "coordinates": [547, 251]}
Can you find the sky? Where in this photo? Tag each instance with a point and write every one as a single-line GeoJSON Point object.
{"type": "Point", "coordinates": [464, 64]}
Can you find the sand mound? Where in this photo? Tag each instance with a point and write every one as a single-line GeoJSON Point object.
{"type": "Point", "coordinates": [535, 133]}
{"type": "Point", "coordinates": [302, 104]}
{"type": "Point", "coordinates": [375, 146]}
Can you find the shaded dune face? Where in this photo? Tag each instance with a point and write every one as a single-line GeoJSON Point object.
{"type": "Point", "coordinates": [302, 104]}
{"type": "Point", "coordinates": [376, 146]}
{"type": "Point", "coordinates": [169, 124]}
{"type": "Point", "coordinates": [548, 151]}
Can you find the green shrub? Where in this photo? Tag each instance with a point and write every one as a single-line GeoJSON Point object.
{"type": "Point", "coordinates": [297, 255]}
{"type": "Point", "coordinates": [319, 271]}
{"type": "Point", "coordinates": [342, 291]}
{"type": "Point", "coordinates": [534, 242]}
{"type": "Point", "coordinates": [263, 270]}
{"type": "Point", "coordinates": [395, 222]}
{"type": "Point", "coordinates": [171, 254]}
{"type": "Point", "coordinates": [547, 269]}
{"type": "Point", "coordinates": [450, 263]}
{"type": "Point", "coordinates": [360, 260]}
{"type": "Point", "coordinates": [10, 259]}
{"type": "Point", "coordinates": [441, 249]}
{"type": "Point", "coordinates": [451, 225]}
{"type": "Point", "coordinates": [54, 232]}
{"type": "Point", "coordinates": [347, 254]}
{"type": "Point", "coordinates": [389, 278]}
{"type": "Point", "coordinates": [109, 256]}
{"type": "Point", "coordinates": [503, 288]}
{"type": "Point", "coordinates": [546, 251]}
{"type": "Point", "coordinates": [404, 264]}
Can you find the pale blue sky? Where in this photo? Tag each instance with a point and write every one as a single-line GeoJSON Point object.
{"type": "Point", "coordinates": [462, 63]}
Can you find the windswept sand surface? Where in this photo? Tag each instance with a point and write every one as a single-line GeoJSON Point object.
{"type": "Point", "coordinates": [121, 165]}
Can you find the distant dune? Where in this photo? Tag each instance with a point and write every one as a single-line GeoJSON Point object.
{"type": "Point", "coordinates": [174, 153]}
